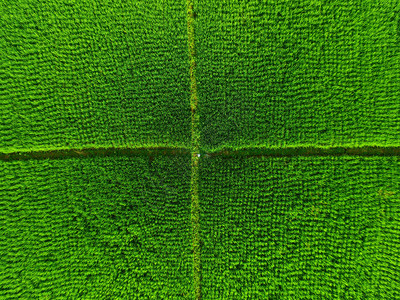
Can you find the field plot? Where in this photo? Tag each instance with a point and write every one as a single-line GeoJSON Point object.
{"type": "Point", "coordinates": [93, 74]}
{"type": "Point", "coordinates": [300, 228]}
{"type": "Point", "coordinates": [96, 228]}
{"type": "Point", "coordinates": [298, 73]}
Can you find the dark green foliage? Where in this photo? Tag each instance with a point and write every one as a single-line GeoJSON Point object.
{"type": "Point", "coordinates": [300, 228]}
{"type": "Point", "coordinates": [298, 73]}
{"type": "Point", "coordinates": [76, 74]}
{"type": "Point", "coordinates": [96, 228]}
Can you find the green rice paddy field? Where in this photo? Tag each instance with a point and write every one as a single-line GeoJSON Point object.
{"type": "Point", "coordinates": [95, 228]}
{"type": "Point", "coordinates": [199, 149]}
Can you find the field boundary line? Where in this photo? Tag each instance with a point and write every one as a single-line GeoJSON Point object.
{"type": "Point", "coordinates": [91, 152]}
{"type": "Point", "coordinates": [229, 153]}
{"type": "Point", "coordinates": [195, 152]}
{"type": "Point", "coordinates": [307, 151]}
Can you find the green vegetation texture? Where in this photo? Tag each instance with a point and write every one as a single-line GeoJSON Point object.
{"type": "Point", "coordinates": [189, 149]}
{"type": "Point", "coordinates": [300, 228]}
{"type": "Point", "coordinates": [76, 74]}
{"type": "Point", "coordinates": [96, 228]}
{"type": "Point", "coordinates": [298, 73]}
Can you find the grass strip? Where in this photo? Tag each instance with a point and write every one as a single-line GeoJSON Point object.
{"type": "Point", "coordinates": [195, 150]}
{"type": "Point", "coordinates": [156, 151]}
{"type": "Point", "coordinates": [307, 151]}
{"type": "Point", "coordinates": [92, 152]}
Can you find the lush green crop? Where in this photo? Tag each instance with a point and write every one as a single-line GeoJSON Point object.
{"type": "Point", "coordinates": [298, 73]}
{"type": "Point", "coordinates": [95, 228]}
{"type": "Point", "coordinates": [300, 228]}
{"type": "Point", "coordinates": [93, 74]}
